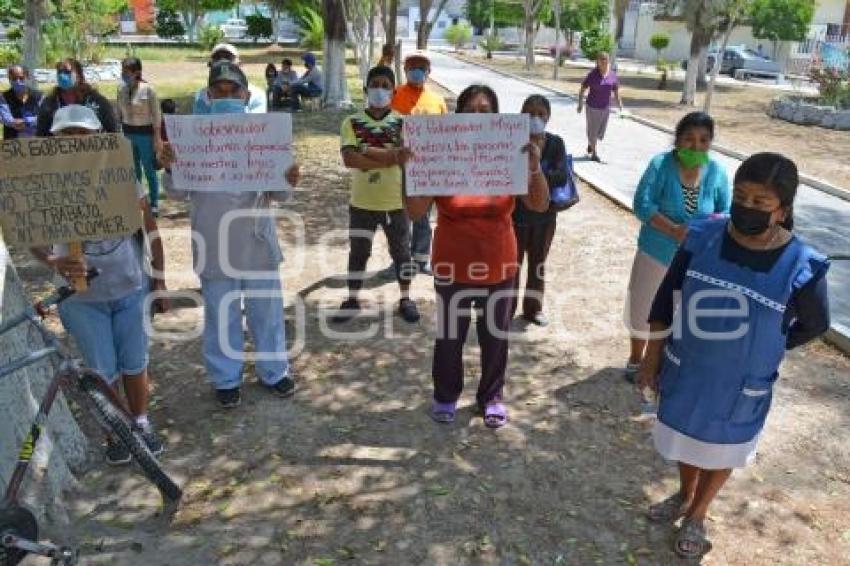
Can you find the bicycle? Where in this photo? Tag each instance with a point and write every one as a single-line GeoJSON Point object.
{"type": "Point", "coordinates": [18, 525]}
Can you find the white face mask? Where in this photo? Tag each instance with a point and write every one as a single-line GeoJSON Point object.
{"type": "Point", "coordinates": [538, 126]}
{"type": "Point", "coordinates": [379, 97]}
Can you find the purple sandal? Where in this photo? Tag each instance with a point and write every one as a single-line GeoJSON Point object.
{"type": "Point", "coordinates": [443, 413]}
{"type": "Point", "coordinates": [495, 415]}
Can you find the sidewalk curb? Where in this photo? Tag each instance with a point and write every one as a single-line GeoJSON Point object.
{"type": "Point", "coordinates": [838, 335]}
{"type": "Point", "coordinates": [813, 182]}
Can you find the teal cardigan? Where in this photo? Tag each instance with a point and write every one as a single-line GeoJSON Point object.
{"type": "Point", "coordinates": [660, 191]}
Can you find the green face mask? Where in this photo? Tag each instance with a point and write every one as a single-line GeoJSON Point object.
{"type": "Point", "coordinates": [691, 158]}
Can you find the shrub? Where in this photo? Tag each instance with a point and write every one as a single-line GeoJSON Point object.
{"type": "Point", "coordinates": [834, 86]}
{"type": "Point", "coordinates": [458, 35]}
{"type": "Point", "coordinates": [312, 29]}
{"type": "Point", "coordinates": [490, 43]}
{"type": "Point", "coordinates": [596, 41]}
{"type": "Point", "coordinates": [209, 36]}
{"type": "Point", "coordinates": [169, 25]}
{"type": "Point", "coordinates": [258, 26]}
{"type": "Point", "coordinates": [659, 41]}
{"type": "Point", "coordinates": [9, 54]}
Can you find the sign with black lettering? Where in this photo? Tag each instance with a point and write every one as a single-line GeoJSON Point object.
{"type": "Point", "coordinates": [67, 189]}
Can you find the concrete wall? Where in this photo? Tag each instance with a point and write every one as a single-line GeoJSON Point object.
{"type": "Point", "coordinates": [830, 11]}
{"type": "Point", "coordinates": [437, 32]}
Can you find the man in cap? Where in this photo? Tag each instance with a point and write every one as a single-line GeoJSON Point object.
{"type": "Point", "coordinates": [237, 270]}
{"type": "Point", "coordinates": [257, 102]}
{"type": "Point", "coordinates": [310, 85]}
{"type": "Point", "coordinates": [414, 97]}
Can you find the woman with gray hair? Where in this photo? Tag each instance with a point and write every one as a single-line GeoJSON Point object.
{"type": "Point", "coordinates": [600, 84]}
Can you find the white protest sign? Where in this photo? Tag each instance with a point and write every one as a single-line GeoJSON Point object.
{"type": "Point", "coordinates": [466, 154]}
{"type": "Point", "coordinates": [230, 152]}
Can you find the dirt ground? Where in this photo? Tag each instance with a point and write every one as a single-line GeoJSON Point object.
{"type": "Point", "coordinates": [352, 470]}
{"type": "Point", "coordinates": [740, 113]}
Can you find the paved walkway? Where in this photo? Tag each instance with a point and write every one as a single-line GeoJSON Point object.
{"type": "Point", "coordinates": [822, 220]}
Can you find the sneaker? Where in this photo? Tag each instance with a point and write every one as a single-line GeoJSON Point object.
{"type": "Point", "coordinates": [630, 373]}
{"type": "Point", "coordinates": [408, 311]}
{"type": "Point", "coordinates": [283, 388]}
{"type": "Point", "coordinates": [228, 398]}
{"type": "Point", "coordinates": [151, 439]}
{"type": "Point", "coordinates": [116, 453]}
{"type": "Point", "coordinates": [349, 309]}
{"type": "Point", "coordinates": [539, 319]}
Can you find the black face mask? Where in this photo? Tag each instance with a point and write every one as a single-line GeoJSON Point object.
{"type": "Point", "coordinates": [750, 221]}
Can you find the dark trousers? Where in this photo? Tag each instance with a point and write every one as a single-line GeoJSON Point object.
{"type": "Point", "coordinates": [362, 227]}
{"type": "Point", "coordinates": [454, 304]}
{"type": "Point", "coordinates": [533, 240]}
{"type": "Point", "coordinates": [301, 91]}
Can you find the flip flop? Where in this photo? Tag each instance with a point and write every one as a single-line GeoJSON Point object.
{"type": "Point", "coordinates": [693, 535]}
{"type": "Point", "coordinates": [443, 413]}
{"type": "Point", "coordinates": [495, 415]}
{"type": "Point", "coordinates": [669, 510]}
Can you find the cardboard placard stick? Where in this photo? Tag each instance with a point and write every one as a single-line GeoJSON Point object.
{"type": "Point", "coordinates": [75, 251]}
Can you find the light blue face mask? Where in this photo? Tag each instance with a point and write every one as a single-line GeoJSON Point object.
{"type": "Point", "coordinates": [227, 106]}
{"type": "Point", "coordinates": [379, 97]}
{"type": "Point", "coordinates": [416, 76]}
{"type": "Point", "coordinates": [65, 80]}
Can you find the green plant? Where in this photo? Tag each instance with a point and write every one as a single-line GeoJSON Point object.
{"type": "Point", "coordinates": [458, 35]}
{"type": "Point", "coordinates": [490, 43]}
{"type": "Point", "coordinates": [596, 41]}
{"type": "Point", "coordinates": [209, 36]}
{"type": "Point", "coordinates": [659, 41]}
{"type": "Point", "coordinates": [781, 20]}
{"type": "Point", "coordinates": [168, 25]}
{"type": "Point", "coordinates": [834, 86]}
{"type": "Point", "coordinates": [258, 26]}
{"type": "Point", "coordinates": [312, 28]}
{"type": "Point", "coordinates": [9, 54]}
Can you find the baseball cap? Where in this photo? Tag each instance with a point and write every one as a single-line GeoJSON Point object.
{"type": "Point", "coordinates": [309, 58]}
{"type": "Point", "coordinates": [75, 116]}
{"type": "Point", "coordinates": [227, 71]}
{"type": "Point", "coordinates": [418, 56]}
{"type": "Point", "coordinates": [226, 48]}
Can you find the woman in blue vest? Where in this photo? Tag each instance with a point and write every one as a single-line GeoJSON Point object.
{"type": "Point", "coordinates": [677, 186]}
{"type": "Point", "coordinates": [750, 290]}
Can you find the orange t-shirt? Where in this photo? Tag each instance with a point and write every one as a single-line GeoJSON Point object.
{"type": "Point", "coordinates": [409, 100]}
{"type": "Point", "coordinates": [474, 241]}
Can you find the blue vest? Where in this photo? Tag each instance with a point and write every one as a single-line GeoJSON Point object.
{"type": "Point", "coordinates": [719, 368]}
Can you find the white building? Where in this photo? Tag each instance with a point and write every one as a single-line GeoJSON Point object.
{"type": "Point", "coordinates": [410, 19]}
{"type": "Point", "coordinates": [831, 23]}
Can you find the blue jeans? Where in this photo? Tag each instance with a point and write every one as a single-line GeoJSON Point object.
{"type": "Point", "coordinates": [109, 334]}
{"type": "Point", "coordinates": [420, 239]}
{"type": "Point", "coordinates": [263, 301]}
{"type": "Point", "coordinates": [300, 91]}
{"type": "Point", "coordinates": [145, 161]}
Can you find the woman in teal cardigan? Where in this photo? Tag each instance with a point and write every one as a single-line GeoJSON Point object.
{"type": "Point", "coordinates": [679, 185]}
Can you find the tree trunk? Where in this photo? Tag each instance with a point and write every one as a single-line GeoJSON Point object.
{"type": "Point", "coordinates": [275, 13]}
{"type": "Point", "coordinates": [529, 39]}
{"type": "Point", "coordinates": [690, 89]}
{"type": "Point", "coordinates": [371, 31]}
{"type": "Point", "coordinates": [702, 68]}
{"type": "Point", "coordinates": [62, 448]}
{"type": "Point", "coordinates": [556, 8]}
{"type": "Point", "coordinates": [392, 23]}
{"type": "Point", "coordinates": [706, 107]}
{"type": "Point", "coordinates": [336, 86]}
{"type": "Point", "coordinates": [32, 33]}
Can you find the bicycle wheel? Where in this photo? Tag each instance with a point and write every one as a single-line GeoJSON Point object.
{"type": "Point", "coordinates": [20, 522]}
{"type": "Point", "coordinates": [117, 423]}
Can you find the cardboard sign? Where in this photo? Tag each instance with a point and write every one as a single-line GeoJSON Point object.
{"type": "Point", "coordinates": [466, 154]}
{"type": "Point", "coordinates": [67, 189]}
{"type": "Point", "coordinates": [230, 152]}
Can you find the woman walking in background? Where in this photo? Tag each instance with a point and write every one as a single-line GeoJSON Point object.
{"type": "Point", "coordinates": [678, 185]}
{"type": "Point", "coordinates": [600, 84]}
{"type": "Point", "coordinates": [141, 119]}
{"type": "Point", "coordinates": [72, 88]}
{"type": "Point", "coordinates": [760, 291]}
{"type": "Point", "coordinates": [535, 230]}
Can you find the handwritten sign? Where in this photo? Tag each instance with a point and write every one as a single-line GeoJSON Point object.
{"type": "Point", "coordinates": [466, 154]}
{"type": "Point", "coordinates": [230, 152]}
{"type": "Point", "coordinates": [67, 189]}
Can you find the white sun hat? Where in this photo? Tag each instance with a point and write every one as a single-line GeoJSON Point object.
{"type": "Point", "coordinates": [227, 48]}
{"type": "Point", "coordinates": [75, 116]}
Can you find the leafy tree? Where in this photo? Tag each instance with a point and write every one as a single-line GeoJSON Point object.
{"type": "Point", "coordinates": [312, 29]}
{"type": "Point", "coordinates": [731, 13]}
{"type": "Point", "coordinates": [258, 26]}
{"type": "Point", "coordinates": [578, 16]}
{"type": "Point", "coordinates": [192, 11]}
{"type": "Point", "coordinates": [596, 41]}
{"type": "Point", "coordinates": [659, 41]}
{"type": "Point", "coordinates": [168, 25]}
{"type": "Point", "coordinates": [458, 35]}
{"type": "Point", "coordinates": [11, 11]}
{"type": "Point", "coordinates": [781, 20]}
